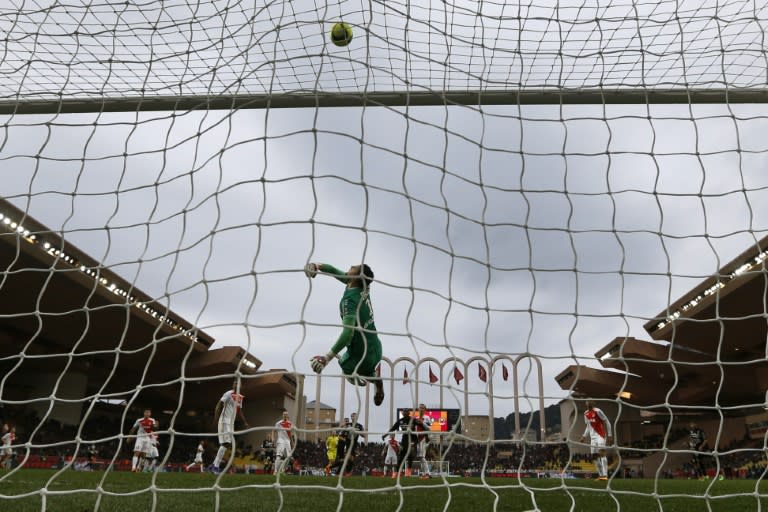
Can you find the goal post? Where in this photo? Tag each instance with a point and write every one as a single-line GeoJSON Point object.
{"type": "Point", "coordinates": [565, 206]}
{"type": "Point", "coordinates": [437, 468]}
{"type": "Point", "coordinates": [394, 98]}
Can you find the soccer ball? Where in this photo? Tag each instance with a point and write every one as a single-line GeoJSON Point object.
{"type": "Point", "coordinates": [341, 34]}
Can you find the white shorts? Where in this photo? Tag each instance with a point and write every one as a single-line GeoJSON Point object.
{"type": "Point", "coordinates": [226, 433]}
{"type": "Point", "coordinates": [7, 451]}
{"type": "Point", "coordinates": [596, 444]}
{"type": "Point", "coordinates": [283, 450]}
{"type": "Point", "coordinates": [143, 445]}
{"type": "Point", "coordinates": [390, 459]}
{"type": "Point", "coordinates": [421, 448]}
{"type": "Point", "coordinates": [198, 459]}
{"type": "Point", "coordinates": [153, 453]}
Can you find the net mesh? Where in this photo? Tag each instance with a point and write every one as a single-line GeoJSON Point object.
{"type": "Point", "coordinates": [179, 48]}
{"type": "Point", "coordinates": [155, 225]}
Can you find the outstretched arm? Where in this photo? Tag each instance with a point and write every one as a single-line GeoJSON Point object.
{"type": "Point", "coordinates": [311, 269]}
{"type": "Point", "coordinates": [347, 332]}
{"type": "Point", "coordinates": [330, 269]}
{"type": "Point", "coordinates": [393, 428]}
{"type": "Point", "coordinates": [344, 339]}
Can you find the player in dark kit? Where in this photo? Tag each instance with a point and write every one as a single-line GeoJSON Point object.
{"type": "Point", "coordinates": [697, 441]}
{"type": "Point", "coordinates": [342, 445]}
{"type": "Point", "coordinates": [348, 445]}
{"type": "Point", "coordinates": [355, 432]}
{"type": "Point", "coordinates": [408, 441]}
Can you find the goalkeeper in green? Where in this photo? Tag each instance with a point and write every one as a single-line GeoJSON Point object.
{"type": "Point", "coordinates": [363, 347]}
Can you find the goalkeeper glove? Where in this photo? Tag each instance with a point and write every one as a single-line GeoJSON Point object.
{"type": "Point", "coordinates": [318, 363]}
{"type": "Point", "coordinates": [310, 270]}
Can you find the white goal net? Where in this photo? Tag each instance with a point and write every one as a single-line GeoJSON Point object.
{"type": "Point", "coordinates": [562, 202]}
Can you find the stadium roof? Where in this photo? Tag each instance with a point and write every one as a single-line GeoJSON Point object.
{"type": "Point", "coordinates": [63, 313]}
{"type": "Point", "coordinates": [708, 347]}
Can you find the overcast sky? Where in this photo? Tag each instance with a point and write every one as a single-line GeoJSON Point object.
{"type": "Point", "coordinates": [516, 229]}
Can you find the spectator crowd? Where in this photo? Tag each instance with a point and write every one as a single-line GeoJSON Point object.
{"type": "Point", "coordinates": [52, 444]}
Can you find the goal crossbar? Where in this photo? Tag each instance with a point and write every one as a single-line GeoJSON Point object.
{"type": "Point", "coordinates": [310, 99]}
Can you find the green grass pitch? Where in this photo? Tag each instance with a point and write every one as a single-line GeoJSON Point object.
{"type": "Point", "coordinates": [70, 491]}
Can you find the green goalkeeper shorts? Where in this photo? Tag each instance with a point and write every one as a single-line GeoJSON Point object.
{"type": "Point", "coordinates": [358, 360]}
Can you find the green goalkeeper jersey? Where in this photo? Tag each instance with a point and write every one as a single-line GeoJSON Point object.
{"type": "Point", "coordinates": [359, 335]}
{"type": "Point", "coordinates": [357, 303]}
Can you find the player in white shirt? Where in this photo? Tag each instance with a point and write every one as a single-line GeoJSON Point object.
{"type": "Point", "coordinates": [391, 450]}
{"type": "Point", "coordinates": [143, 428]}
{"type": "Point", "coordinates": [229, 407]}
{"type": "Point", "coordinates": [198, 457]}
{"type": "Point", "coordinates": [284, 442]}
{"type": "Point", "coordinates": [423, 424]}
{"type": "Point", "coordinates": [6, 452]}
{"type": "Point", "coordinates": [598, 428]}
{"type": "Point", "coordinates": [151, 461]}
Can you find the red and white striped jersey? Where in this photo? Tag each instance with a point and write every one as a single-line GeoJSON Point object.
{"type": "Point", "coordinates": [393, 447]}
{"type": "Point", "coordinates": [145, 426]}
{"type": "Point", "coordinates": [597, 423]}
{"type": "Point", "coordinates": [283, 428]}
{"type": "Point", "coordinates": [427, 422]}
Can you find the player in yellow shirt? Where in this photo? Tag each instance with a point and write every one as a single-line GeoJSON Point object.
{"type": "Point", "coordinates": [331, 442]}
